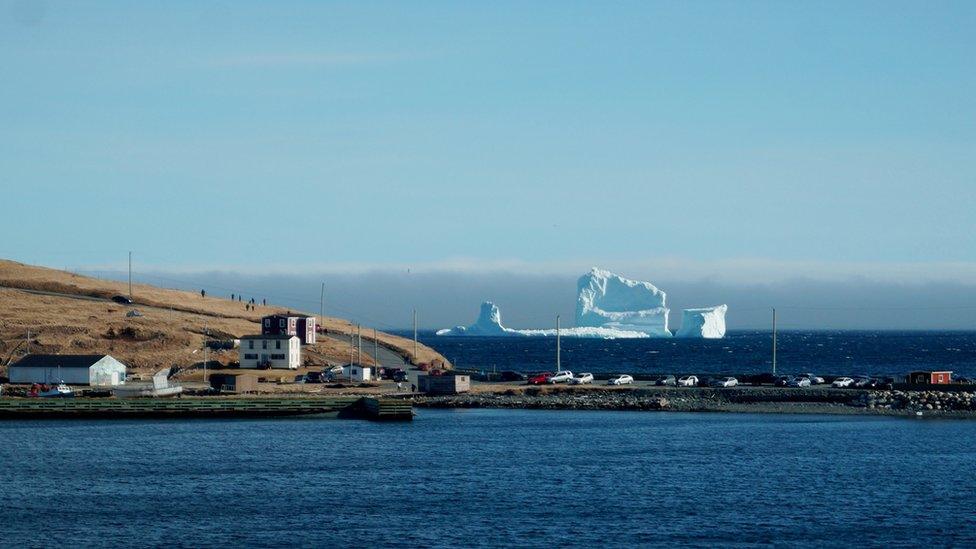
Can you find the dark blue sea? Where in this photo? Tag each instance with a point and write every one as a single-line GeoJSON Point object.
{"type": "Point", "coordinates": [821, 353]}
{"type": "Point", "coordinates": [491, 478]}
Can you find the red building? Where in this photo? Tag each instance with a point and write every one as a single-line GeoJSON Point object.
{"type": "Point", "coordinates": [286, 324]}
{"type": "Point", "coordinates": [930, 378]}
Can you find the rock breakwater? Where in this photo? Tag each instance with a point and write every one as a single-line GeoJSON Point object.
{"type": "Point", "coordinates": [739, 399]}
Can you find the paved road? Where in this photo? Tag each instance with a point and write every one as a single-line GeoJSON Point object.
{"type": "Point", "coordinates": [386, 357]}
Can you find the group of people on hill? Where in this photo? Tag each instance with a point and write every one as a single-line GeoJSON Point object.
{"type": "Point", "coordinates": [250, 305]}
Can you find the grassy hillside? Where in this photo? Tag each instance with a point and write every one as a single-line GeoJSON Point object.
{"type": "Point", "coordinates": [68, 313]}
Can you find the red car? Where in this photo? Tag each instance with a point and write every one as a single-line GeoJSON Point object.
{"type": "Point", "coordinates": [539, 379]}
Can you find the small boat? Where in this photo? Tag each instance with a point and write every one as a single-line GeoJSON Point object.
{"type": "Point", "coordinates": [58, 391]}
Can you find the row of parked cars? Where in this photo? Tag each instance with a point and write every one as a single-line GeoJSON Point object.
{"type": "Point", "coordinates": [797, 380]}
{"type": "Point", "coordinates": [566, 376]}
{"type": "Point", "coordinates": [694, 381]}
{"type": "Point", "coordinates": [329, 375]}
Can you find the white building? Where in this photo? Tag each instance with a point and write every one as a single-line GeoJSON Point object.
{"type": "Point", "coordinates": [270, 351]}
{"type": "Point", "coordinates": [97, 370]}
{"type": "Point", "coordinates": [355, 372]}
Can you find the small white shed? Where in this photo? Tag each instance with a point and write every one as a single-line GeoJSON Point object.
{"type": "Point", "coordinates": [355, 372]}
{"type": "Point", "coordinates": [96, 370]}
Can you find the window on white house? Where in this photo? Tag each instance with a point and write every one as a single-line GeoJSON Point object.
{"type": "Point", "coordinates": [264, 344]}
{"type": "Point", "coordinates": [250, 344]}
{"type": "Point", "coordinates": [277, 344]}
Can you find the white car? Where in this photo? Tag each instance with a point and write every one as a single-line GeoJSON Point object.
{"type": "Point", "coordinates": [687, 381]}
{"type": "Point", "coordinates": [585, 377]}
{"type": "Point", "coordinates": [621, 380]}
{"type": "Point", "coordinates": [725, 382]}
{"type": "Point", "coordinates": [561, 377]}
{"type": "Point", "coordinates": [842, 382]}
{"type": "Point", "coordinates": [814, 380]}
{"type": "Point", "coordinates": [802, 381]}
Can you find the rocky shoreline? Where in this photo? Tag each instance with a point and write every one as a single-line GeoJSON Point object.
{"type": "Point", "coordinates": [741, 399]}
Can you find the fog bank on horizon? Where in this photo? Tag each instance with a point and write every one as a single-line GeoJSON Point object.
{"type": "Point", "coordinates": [446, 299]}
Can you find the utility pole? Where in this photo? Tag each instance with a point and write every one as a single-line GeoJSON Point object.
{"type": "Point", "coordinates": [28, 340]}
{"type": "Point", "coordinates": [415, 360]}
{"type": "Point", "coordinates": [376, 349]}
{"type": "Point", "coordinates": [559, 366]}
{"type": "Point", "coordinates": [130, 276]}
{"type": "Point", "coordinates": [359, 336]}
{"type": "Point", "coordinates": [322, 308]}
{"type": "Point", "coordinates": [206, 351]}
{"type": "Point", "coordinates": [352, 348]}
{"type": "Point", "coordinates": [774, 340]}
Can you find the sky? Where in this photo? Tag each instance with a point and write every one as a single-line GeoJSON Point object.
{"type": "Point", "coordinates": [754, 148]}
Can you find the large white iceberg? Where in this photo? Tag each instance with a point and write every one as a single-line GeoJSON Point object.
{"type": "Point", "coordinates": [606, 300]}
{"type": "Point", "coordinates": [489, 323]}
{"type": "Point", "coordinates": [610, 306]}
{"type": "Point", "coordinates": [706, 322]}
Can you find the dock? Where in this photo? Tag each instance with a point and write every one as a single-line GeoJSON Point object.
{"type": "Point", "coordinates": [345, 407]}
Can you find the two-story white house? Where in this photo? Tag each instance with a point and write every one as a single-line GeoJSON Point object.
{"type": "Point", "coordinates": [270, 351]}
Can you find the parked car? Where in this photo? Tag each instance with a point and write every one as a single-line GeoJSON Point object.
{"type": "Point", "coordinates": [842, 382]}
{"type": "Point", "coordinates": [539, 379]}
{"type": "Point", "coordinates": [314, 377]}
{"type": "Point", "coordinates": [621, 380]}
{"type": "Point", "coordinates": [665, 381]}
{"type": "Point", "coordinates": [513, 376]}
{"type": "Point", "coordinates": [581, 379]}
{"type": "Point", "coordinates": [399, 376]}
{"type": "Point", "coordinates": [687, 381]}
{"type": "Point", "coordinates": [783, 381]}
{"type": "Point", "coordinates": [800, 381]}
{"type": "Point", "coordinates": [765, 378]}
{"type": "Point", "coordinates": [561, 376]}
{"type": "Point", "coordinates": [885, 383]}
{"type": "Point", "coordinates": [861, 381]}
{"type": "Point", "coordinates": [122, 300]}
{"type": "Point", "coordinates": [814, 380]}
{"type": "Point", "coordinates": [724, 382]}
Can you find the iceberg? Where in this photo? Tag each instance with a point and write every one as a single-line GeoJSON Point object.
{"type": "Point", "coordinates": [607, 300]}
{"type": "Point", "coordinates": [706, 322]}
{"type": "Point", "coordinates": [609, 306]}
{"type": "Point", "coordinates": [489, 323]}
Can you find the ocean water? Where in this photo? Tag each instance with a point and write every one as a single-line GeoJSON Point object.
{"type": "Point", "coordinates": [822, 353]}
{"type": "Point", "coordinates": [488, 478]}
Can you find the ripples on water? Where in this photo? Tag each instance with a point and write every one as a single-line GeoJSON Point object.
{"type": "Point", "coordinates": [871, 353]}
{"type": "Point", "coordinates": [491, 478]}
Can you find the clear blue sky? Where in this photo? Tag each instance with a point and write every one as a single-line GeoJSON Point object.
{"type": "Point", "coordinates": [207, 135]}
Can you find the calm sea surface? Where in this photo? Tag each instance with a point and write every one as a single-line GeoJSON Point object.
{"type": "Point", "coordinates": [871, 353]}
{"type": "Point", "coordinates": [491, 478]}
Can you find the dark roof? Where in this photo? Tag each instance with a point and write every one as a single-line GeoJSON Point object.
{"type": "Point", "coordinates": [64, 361]}
{"type": "Point", "coordinates": [269, 336]}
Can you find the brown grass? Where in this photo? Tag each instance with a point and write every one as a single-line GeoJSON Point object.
{"type": "Point", "coordinates": [170, 333]}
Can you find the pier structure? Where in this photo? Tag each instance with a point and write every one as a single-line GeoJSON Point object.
{"type": "Point", "coordinates": [351, 407]}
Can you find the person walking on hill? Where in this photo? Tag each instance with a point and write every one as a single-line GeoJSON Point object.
{"type": "Point", "coordinates": [203, 293]}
